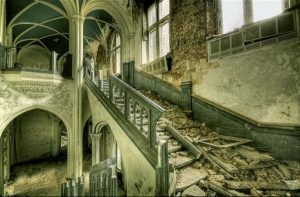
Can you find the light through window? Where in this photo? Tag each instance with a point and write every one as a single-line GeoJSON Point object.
{"type": "Point", "coordinates": [232, 14]}
{"type": "Point", "coordinates": [157, 43]}
{"type": "Point", "coordinates": [263, 9]}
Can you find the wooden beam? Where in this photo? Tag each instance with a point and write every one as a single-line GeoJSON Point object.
{"type": "Point", "coordinates": [181, 139]}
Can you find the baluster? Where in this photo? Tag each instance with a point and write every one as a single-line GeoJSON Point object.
{"type": "Point", "coordinates": [152, 128]}
{"type": "Point", "coordinates": [141, 118]}
{"type": "Point", "coordinates": [110, 88]}
{"type": "Point", "coordinates": [100, 84]}
{"type": "Point", "coordinates": [126, 106]}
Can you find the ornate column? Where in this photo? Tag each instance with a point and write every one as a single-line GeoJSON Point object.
{"type": "Point", "coordinates": [53, 61]}
{"type": "Point", "coordinates": [95, 147]}
{"type": "Point", "coordinates": [76, 49]}
{"type": "Point", "coordinates": [11, 57]}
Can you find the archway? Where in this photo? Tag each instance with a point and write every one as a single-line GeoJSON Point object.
{"type": "Point", "coordinates": [105, 146]}
{"type": "Point", "coordinates": [31, 151]}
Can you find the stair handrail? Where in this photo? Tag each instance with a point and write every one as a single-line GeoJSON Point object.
{"type": "Point", "coordinates": [153, 110]}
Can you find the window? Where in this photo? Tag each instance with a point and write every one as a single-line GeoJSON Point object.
{"type": "Point", "coordinates": [156, 44]}
{"type": "Point", "coordinates": [266, 9]}
{"type": "Point", "coordinates": [232, 14]}
{"type": "Point", "coordinates": [116, 53]}
{"type": "Point", "coordinates": [236, 13]}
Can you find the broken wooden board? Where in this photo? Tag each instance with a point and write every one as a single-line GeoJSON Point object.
{"type": "Point", "coordinates": [234, 141]}
{"type": "Point", "coordinates": [225, 165]}
{"type": "Point", "coordinates": [182, 140]}
{"type": "Point", "coordinates": [218, 188]}
{"type": "Point", "coordinates": [253, 155]}
{"type": "Point", "coordinates": [190, 176]}
{"type": "Point", "coordinates": [283, 185]}
{"type": "Point", "coordinates": [181, 161]}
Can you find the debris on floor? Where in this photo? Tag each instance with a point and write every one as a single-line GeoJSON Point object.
{"type": "Point", "coordinates": [228, 166]}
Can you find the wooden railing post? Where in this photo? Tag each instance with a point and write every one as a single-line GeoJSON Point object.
{"type": "Point", "coordinates": [162, 169]}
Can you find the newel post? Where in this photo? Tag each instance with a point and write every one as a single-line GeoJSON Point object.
{"type": "Point", "coordinates": [186, 89]}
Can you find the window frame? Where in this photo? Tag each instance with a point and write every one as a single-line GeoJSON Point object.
{"type": "Point", "coordinates": [248, 14]}
{"type": "Point", "coordinates": [155, 27]}
{"type": "Point", "coordinates": [113, 52]}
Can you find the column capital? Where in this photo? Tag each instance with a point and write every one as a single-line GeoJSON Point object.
{"type": "Point", "coordinates": [78, 18]}
{"type": "Point", "coordinates": [95, 136]}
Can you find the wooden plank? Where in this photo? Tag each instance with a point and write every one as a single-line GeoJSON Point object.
{"type": "Point", "coordinates": [229, 167]}
{"type": "Point", "coordinates": [283, 185]}
{"type": "Point", "coordinates": [223, 191]}
{"type": "Point", "coordinates": [181, 139]}
{"type": "Point", "coordinates": [237, 141]}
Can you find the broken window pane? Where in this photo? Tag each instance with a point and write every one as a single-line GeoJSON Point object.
{"type": "Point", "coordinates": [263, 9]}
{"type": "Point", "coordinates": [232, 14]}
{"type": "Point", "coordinates": [152, 46]}
{"type": "Point", "coordinates": [164, 39]}
{"type": "Point", "coordinates": [164, 8]}
{"type": "Point", "coordinates": [151, 15]}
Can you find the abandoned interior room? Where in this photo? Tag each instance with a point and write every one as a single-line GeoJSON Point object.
{"type": "Point", "coordinates": [150, 98]}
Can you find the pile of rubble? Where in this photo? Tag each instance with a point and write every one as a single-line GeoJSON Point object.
{"type": "Point", "coordinates": [228, 166]}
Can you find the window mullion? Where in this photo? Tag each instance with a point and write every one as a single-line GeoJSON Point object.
{"type": "Point", "coordinates": [248, 11]}
{"type": "Point", "coordinates": [157, 30]}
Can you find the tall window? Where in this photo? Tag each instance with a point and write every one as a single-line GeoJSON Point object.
{"type": "Point", "coordinates": [264, 9]}
{"type": "Point", "coordinates": [234, 11]}
{"type": "Point", "coordinates": [157, 42]}
{"type": "Point", "coordinates": [116, 53]}
{"type": "Point", "coordinates": [232, 14]}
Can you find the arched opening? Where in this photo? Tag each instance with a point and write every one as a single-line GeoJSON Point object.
{"type": "Point", "coordinates": [87, 153]}
{"type": "Point", "coordinates": [34, 154]}
{"type": "Point", "coordinates": [104, 147]}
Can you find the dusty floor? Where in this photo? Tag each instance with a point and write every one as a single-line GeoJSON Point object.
{"type": "Point", "coordinates": [38, 178]}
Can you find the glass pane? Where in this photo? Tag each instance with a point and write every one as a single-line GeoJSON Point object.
{"type": "Point", "coordinates": [233, 15]}
{"type": "Point", "coordinates": [151, 15]}
{"type": "Point", "coordinates": [152, 46]}
{"type": "Point", "coordinates": [118, 60]}
{"type": "Point", "coordinates": [144, 52]}
{"type": "Point", "coordinates": [164, 40]}
{"type": "Point", "coordinates": [118, 40]}
{"type": "Point", "coordinates": [263, 9]}
{"type": "Point", "coordinates": [164, 8]}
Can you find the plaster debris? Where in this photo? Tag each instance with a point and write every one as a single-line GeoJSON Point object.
{"type": "Point", "coordinates": [233, 167]}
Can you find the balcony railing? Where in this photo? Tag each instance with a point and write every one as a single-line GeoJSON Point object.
{"type": "Point", "coordinates": [248, 37]}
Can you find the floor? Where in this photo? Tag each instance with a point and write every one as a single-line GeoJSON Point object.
{"type": "Point", "coordinates": [44, 177]}
{"type": "Point", "coordinates": [38, 178]}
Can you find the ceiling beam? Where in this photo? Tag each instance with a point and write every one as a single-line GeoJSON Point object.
{"type": "Point", "coordinates": [20, 13]}
{"type": "Point", "coordinates": [54, 7]}
{"type": "Point", "coordinates": [34, 25]}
